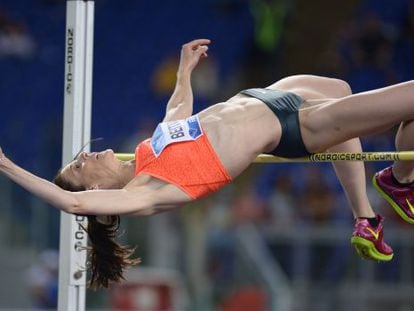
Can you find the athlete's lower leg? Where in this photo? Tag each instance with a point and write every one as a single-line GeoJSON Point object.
{"type": "Point", "coordinates": [352, 178]}
{"type": "Point", "coordinates": [403, 171]}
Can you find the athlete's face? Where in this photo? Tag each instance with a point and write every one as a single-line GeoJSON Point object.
{"type": "Point", "coordinates": [94, 170]}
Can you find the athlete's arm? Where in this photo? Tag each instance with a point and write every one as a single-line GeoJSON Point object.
{"type": "Point", "coordinates": [96, 202]}
{"type": "Point", "coordinates": [180, 105]}
{"type": "Point", "coordinates": [40, 187]}
{"type": "Point", "coordinates": [114, 202]}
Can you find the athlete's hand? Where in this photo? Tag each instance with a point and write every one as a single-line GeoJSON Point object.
{"type": "Point", "coordinates": [191, 53]}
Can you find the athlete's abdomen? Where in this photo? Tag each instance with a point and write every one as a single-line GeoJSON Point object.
{"type": "Point", "coordinates": [239, 130]}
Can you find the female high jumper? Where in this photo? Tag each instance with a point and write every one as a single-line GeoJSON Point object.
{"type": "Point", "coordinates": [191, 156]}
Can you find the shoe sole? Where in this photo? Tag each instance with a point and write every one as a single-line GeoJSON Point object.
{"type": "Point", "coordinates": [394, 205]}
{"type": "Point", "coordinates": [366, 249]}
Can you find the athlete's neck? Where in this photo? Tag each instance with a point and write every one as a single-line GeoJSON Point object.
{"type": "Point", "coordinates": [127, 171]}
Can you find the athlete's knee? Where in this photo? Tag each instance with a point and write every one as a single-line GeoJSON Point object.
{"type": "Point", "coordinates": [339, 88]}
{"type": "Point", "coordinates": [293, 82]}
{"type": "Point", "coordinates": [331, 87]}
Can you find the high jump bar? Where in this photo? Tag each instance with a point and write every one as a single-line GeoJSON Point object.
{"type": "Point", "coordinates": [322, 157]}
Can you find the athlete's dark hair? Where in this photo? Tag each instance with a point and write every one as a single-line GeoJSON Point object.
{"type": "Point", "coordinates": [107, 258]}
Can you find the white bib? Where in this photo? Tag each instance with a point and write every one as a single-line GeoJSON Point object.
{"type": "Point", "coordinates": [171, 132]}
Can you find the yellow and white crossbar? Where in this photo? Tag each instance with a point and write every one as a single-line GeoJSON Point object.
{"type": "Point", "coordinates": [322, 157]}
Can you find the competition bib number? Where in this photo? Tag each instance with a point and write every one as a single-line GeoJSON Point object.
{"type": "Point", "coordinates": [168, 133]}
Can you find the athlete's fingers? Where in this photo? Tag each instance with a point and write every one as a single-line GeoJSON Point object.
{"type": "Point", "coordinates": [195, 43]}
{"type": "Point", "coordinates": [199, 42]}
{"type": "Point", "coordinates": [202, 49]}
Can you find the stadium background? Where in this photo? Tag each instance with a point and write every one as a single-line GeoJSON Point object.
{"type": "Point", "coordinates": [294, 216]}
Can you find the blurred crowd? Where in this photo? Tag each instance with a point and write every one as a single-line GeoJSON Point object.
{"type": "Point", "coordinates": [15, 40]}
{"type": "Point", "coordinates": [374, 48]}
{"type": "Point", "coordinates": [42, 280]}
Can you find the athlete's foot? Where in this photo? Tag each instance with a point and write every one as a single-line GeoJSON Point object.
{"type": "Point", "coordinates": [368, 240]}
{"type": "Point", "coordinates": [399, 196]}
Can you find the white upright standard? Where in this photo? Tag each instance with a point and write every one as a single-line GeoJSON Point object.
{"type": "Point", "coordinates": [76, 133]}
